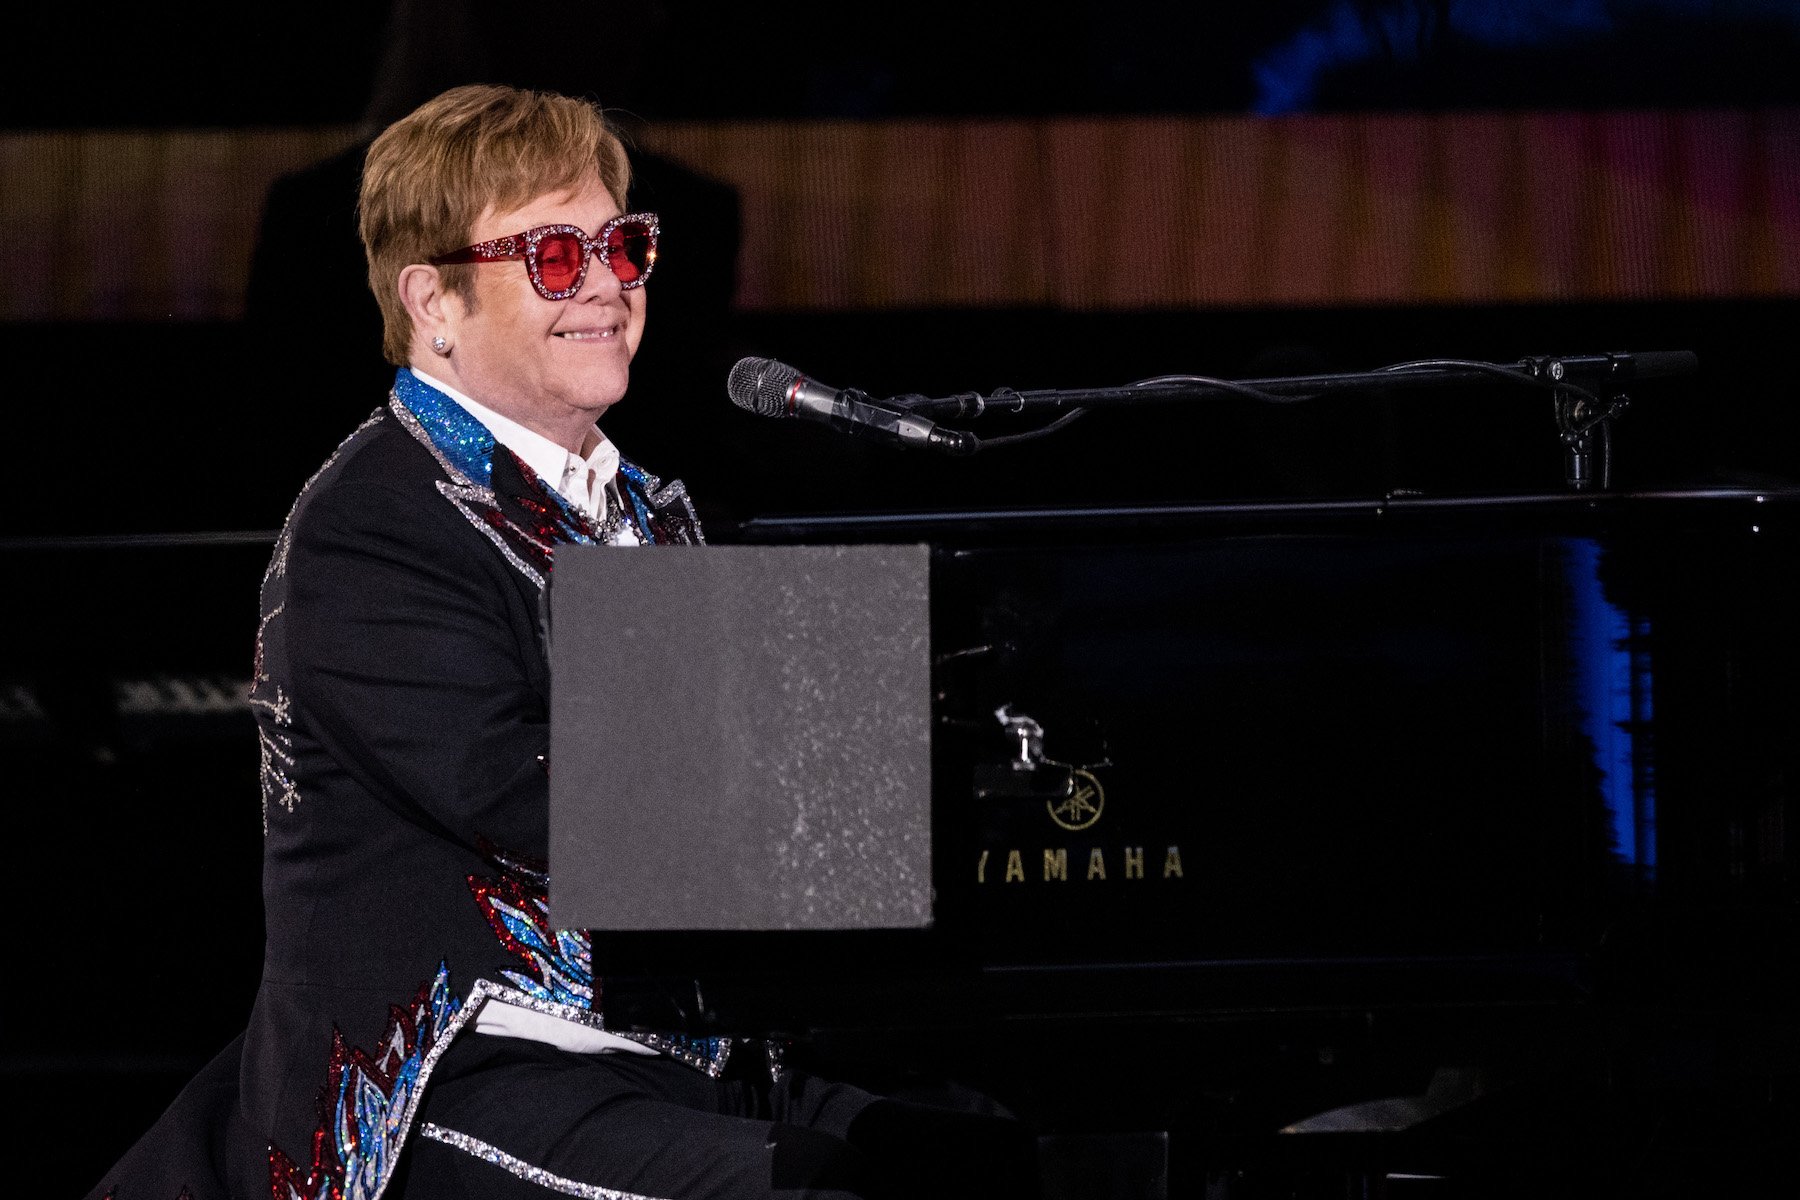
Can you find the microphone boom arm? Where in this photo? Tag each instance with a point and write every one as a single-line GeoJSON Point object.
{"type": "Point", "coordinates": [1583, 414]}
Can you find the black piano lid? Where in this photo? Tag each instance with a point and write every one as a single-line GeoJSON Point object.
{"type": "Point", "coordinates": [957, 526]}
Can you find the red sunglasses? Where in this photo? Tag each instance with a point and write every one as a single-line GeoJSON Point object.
{"type": "Point", "coordinates": [556, 256]}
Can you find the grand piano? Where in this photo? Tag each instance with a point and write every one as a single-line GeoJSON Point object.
{"type": "Point", "coordinates": [1288, 848]}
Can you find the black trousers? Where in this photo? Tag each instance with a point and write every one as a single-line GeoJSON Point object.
{"type": "Point", "coordinates": [505, 1118]}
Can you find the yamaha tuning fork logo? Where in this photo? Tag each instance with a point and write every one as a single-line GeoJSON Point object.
{"type": "Point", "coordinates": [1082, 807]}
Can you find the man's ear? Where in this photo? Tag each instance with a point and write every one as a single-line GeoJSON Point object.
{"type": "Point", "coordinates": [434, 310]}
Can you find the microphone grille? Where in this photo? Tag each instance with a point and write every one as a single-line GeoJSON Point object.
{"type": "Point", "coordinates": [761, 385]}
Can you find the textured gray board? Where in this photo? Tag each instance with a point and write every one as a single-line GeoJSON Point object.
{"type": "Point", "coordinates": [740, 738]}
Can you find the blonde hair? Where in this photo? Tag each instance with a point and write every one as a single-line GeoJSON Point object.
{"type": "Point", "coordinates": [431, 174]}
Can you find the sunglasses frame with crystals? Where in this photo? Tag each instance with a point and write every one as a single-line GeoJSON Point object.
{"type": "Point", "coordinates": [525, 245]}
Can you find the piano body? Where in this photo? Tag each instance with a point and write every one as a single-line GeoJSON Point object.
{"type": "Point", "coordinates": [1284, 848]}
{"type": "Point", "coordinates": [1453, 835]}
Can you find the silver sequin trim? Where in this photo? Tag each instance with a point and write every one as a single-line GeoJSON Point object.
{"type": "Point", "coordinates": [276, 784]}
{"type": "Point", "coordinates": [462, 495]}
{"type": "Point", "coordinates": [592, 1020]}
{"type": "Point", "coordinates": [775, 1058]}
{"type": "Point", "coordinates": [278, 561]}
{"type": "Point", "coordinates": [607, 529]}
{"type": "Point", "coordinates": [483, 991]}
{"type": "Point", "coordinates": [693, 1058]}
{"type": "Point", "coordinates": [462, 491]}
{"type": "Point", "coordinates": [279, 708]}
{"type": "Point", "coordinates": [524, 1170]}
{"type": "Point", "coordinates": [465, 1016]}
{"type": "Point", "coordinates": [411, 424]}
{"type": "Point", "coordinates": [664, 499]}
{"type": "Point", "coordinates": [276, 750]}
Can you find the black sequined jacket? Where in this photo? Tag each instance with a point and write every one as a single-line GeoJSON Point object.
{"type": "Point", "coordinates": [401, 693]}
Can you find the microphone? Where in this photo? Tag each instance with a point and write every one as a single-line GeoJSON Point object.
{"type": "Point", "coordinates": [772, 389]}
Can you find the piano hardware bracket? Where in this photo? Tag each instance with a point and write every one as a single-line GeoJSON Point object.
{"type": "Point", "coordinates": [1030, 737]}
{"type": "Point", "coordinates": [965, 652]}
{"type": "Point", "coordinates": [1585, 429]}
{"type": "Point", "coordinates": [1030, 774]}
{"type": "Point", "coordinates": [1583, 423]}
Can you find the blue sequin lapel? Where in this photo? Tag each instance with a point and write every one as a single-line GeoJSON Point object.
{"type": "Point", "coordinates": [464, 446]}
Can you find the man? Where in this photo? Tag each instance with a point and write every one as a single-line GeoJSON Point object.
{"type": "Point", "coordinates": [421, 1029]}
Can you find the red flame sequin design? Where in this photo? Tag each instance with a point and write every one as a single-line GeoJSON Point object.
{"type": "Point", "coordinates": [368, 1102]}
{"type": "Point", "coordinates": [558, 962]}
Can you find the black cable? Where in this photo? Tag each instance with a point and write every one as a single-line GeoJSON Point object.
{"type": "Point", "coordinates": [1511, 374]}
{"type": "Point", "coordinates": [1227, 385]}
{"type": "Point", "coordinates": [1494, 369]}
{"type": "Point", "coordinates": [982, 443]}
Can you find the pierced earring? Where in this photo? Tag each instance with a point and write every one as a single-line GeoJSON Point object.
{"type": "Point", "coordinates": [440, 345]}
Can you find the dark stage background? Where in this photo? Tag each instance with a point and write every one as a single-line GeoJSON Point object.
{"type": "Point", "coordinates": [181, 345]}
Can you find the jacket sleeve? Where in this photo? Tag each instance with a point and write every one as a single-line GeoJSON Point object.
{"type": "Point", "coordinates": [414, 660]}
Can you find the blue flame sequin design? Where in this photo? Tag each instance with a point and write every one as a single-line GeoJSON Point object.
{"type": "Point", "coordinates": [369, 1102]}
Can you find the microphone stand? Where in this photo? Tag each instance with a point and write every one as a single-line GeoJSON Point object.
{"type": "Point", "coordinates": [1174, 389]}
{"type": "Point", "coordinates": [1583, 414]}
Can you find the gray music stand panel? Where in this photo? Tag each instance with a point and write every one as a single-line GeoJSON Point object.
{"type": "Point", "coordinates": [740, 738]}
